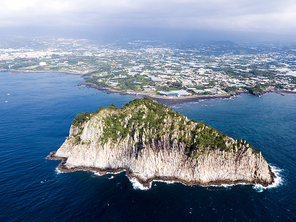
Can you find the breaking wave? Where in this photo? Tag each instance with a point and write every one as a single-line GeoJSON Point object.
{"type": "Point", "coordinates": [137, 185]}
{"type": "Point", "coordinates": [58, 171]}
{"type": "Point", "coordinates": [278, 181]}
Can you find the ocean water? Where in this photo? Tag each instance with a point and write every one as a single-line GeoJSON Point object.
{"type": "Point", "coordinates": [36, 110]}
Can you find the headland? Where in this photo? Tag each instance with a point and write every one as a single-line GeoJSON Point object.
{"type": "Point", "coordinates": [153, 142]}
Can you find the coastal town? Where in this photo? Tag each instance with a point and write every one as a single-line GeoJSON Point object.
{"type": "Point", "coordinates": [160, 70]}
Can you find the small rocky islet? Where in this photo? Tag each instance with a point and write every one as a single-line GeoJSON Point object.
{"type": "Point", "coordinates": [150, 142]}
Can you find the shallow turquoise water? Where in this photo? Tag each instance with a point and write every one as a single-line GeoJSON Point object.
{"type": "Point", "coordinates": [36, 111]}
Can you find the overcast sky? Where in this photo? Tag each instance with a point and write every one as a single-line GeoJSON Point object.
{"type": "Point", "coordinates": [271, 16]}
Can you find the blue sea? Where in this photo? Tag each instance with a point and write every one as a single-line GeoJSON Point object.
{"type": "Point", "coordinates": [36, 111]}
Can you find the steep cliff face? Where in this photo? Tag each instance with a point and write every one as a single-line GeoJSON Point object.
{"type": "Point", "coordinates": [151, 141]}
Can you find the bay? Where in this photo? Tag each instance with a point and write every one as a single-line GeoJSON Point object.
{"type": "Point", "coordinates": [36, 110]}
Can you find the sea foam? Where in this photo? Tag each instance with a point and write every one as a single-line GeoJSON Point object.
{"type": "Point", "coordinates": [58, 171]}
{"type": "Point", "coordinates": [278, 181]}
{"type": "Point", "coordinates": [137, 185]}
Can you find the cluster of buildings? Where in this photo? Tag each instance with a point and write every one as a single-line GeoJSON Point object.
{"type": "Point", "coordinates": [163, 67]}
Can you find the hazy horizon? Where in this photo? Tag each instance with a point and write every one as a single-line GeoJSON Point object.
{"type": "Point", "coordinates": [113, 35]}
{"type": "Point", "coordinates": [189, 20]}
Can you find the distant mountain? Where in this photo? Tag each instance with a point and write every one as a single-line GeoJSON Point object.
{"type": "Point", "coordinates": [222, 43]}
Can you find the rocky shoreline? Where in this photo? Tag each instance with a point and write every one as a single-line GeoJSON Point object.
{"type": "Point", "coordinates": [147, 183]}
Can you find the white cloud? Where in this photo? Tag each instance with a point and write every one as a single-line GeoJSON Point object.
{"type": "Point", "coordinates": [248, 15]}
{"type": "Point", "coordinates": [17, 5]}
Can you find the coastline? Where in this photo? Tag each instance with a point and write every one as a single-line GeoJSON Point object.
{"type": "Point", "coordinates": [147, 184]}
{"type": "Point", "coordinates": [174, 100]}
{"type": "Point", "coordinates": [166, 100]}
{"type": "Point", "coordinates": [28, 71]}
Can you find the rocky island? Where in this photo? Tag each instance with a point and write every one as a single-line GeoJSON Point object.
{"type": "Point", "coordinates": [150, 141]}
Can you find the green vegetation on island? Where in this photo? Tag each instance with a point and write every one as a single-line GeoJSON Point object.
{"type": "Point", "coordinates": [151, 122]}
{"type": "Point", "coordinates": [80, 119]}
